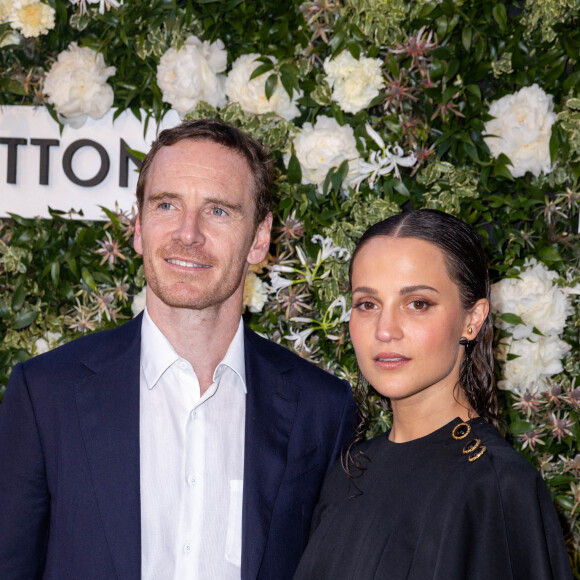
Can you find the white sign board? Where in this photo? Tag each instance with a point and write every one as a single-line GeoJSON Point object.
{"type": "Point", "coordinates": [80, 169]}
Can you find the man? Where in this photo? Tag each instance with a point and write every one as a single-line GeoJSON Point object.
{"type": "Point", "coordinates": [181, 444]}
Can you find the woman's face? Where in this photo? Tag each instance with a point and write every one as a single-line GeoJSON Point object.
{"type": "Point", "coordinates": [406, 319]}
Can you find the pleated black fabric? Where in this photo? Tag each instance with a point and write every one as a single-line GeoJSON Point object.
{"type": "Point", "coordinates": [422, 510]}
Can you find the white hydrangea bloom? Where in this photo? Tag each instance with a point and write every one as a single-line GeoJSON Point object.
{"type": "Point", "coordinates": [522, 129]}
{"type": "Point", "coordinates": [31, 17]}
{"type": "Point", "coordinates": [77, 85]}
{"type": "Point", "coordinates": [355, 83]}
{"type": "Point", "coordinates": [535, 298]}
{"type": "Point", "coordinates": [139, 301]}
{"type": "Point", "coordinates": [538, 358]}
{"type": "Point", "coordinates": [192, 74]}
{"type": "Point", "coordinates": [255, 293]}
{"type": "Point", "coordinates": [325, 145]}
{"type": "Point", "coordinates": [251, 94]}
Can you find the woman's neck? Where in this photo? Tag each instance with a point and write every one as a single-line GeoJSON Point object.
{"type": "Point", "coordinates": [414, 418]}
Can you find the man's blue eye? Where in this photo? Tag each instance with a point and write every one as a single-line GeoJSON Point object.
{"type": "Point", "coordinates": [218, 211]}
{"type": "Point", "coordinates": [165, 205]}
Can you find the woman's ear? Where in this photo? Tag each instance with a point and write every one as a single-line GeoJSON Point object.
{"type": "Point", "coordinates": [475, 318]}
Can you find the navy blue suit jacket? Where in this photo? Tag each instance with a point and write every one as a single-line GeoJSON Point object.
{"type": "Point", "coordinates": [69, 459]}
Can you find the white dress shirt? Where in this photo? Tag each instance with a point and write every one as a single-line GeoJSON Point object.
{"type": "Point", "coordinates": [192, 462]}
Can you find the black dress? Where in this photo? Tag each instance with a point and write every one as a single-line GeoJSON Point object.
{"type": "Point", "coordinates": [422, 510]}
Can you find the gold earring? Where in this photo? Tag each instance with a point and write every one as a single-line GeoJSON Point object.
{"type": "Point", "coordinates": [470, 330]}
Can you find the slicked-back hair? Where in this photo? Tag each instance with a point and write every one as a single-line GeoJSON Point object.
{"type": "Point", "coordinates": [215, 131]}
{"type": "Point", "coordinates": [467, 267]}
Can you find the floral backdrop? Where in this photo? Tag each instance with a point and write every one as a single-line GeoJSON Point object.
{"type": "Point", "coordinates": [368, 107]}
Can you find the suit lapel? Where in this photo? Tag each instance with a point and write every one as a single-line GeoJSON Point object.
{"type": "Point", "coordinates": [270, 409]}
{"type": "Point", "coordinates": [108, 407]}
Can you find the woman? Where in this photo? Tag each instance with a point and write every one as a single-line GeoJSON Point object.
{"type": "Point", "coordinates": [441, 495]}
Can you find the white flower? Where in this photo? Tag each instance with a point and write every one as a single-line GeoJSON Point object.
{"type": "Point", "coordinates": [50, 340]}
{"type": "Point", "coordinates": [31, 17]}
{"type": "Point", "coordinates": [251, 94]}
{"type": "Point", "coordinates": [382, 162]}
{"type": "Point", "coordinates": [255, 293]}
{"type": "Point", "coordinates": [538, 358]}
{"type": "Point", "coordinates": [355, 83]}
{"type": "Point", "coordinates": [535, 298]}
{"type": "Point", "coordinates": [278, 282]}
{"type": "Point", "coordinates": [77, 85]}
{"type": "Point", "coordinates": [323, 146]}
{"type": "Point", "coordinates": [299, 338]}
{"type": "Point", "coordinates": [139, 302]}
{"type": "Point", "coordinates": [191, 74]}
{"type": "Point", "coordinates": [522, 129]}
{"type": "Point", "coordinates": [329, 248]}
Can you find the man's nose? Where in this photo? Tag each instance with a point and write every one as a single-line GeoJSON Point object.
{"type": "Point", "coordinates": [189, 229]}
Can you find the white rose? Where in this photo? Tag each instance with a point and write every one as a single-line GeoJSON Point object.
{"type": "Point", "coordinates": [323, 146]}
{"type": "Point", "coordinates": [522, 129]}
{"type": "Point", "coordinates": [49, 341]}
{"type": "Point", "coordinates": [355, 83]}
{"type": "Point", "coordinates": [255, 293]}
{"type": "Point", "coordinates": [139, 301]}
{"type": "Point", "coordinates": [535, 298]}
{"type": "Point", "coordinates": [31, 17]}
{"type": "Point", "coordinates": [251, 94]}
{"type": "Point", "coordinates": [191, 74]}
{"type": "Point", "coordinates": [539, 357]}
{"type": "Point", "coordinates": [77, 85]}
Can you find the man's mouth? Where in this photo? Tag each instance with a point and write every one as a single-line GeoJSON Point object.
{"type": "Point", "coordinates": [186, 264]}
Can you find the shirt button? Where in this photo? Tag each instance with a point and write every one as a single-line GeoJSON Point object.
{"type": "Point", "coordinates": [191, 480]}
{"type": "Point", "coordinates": [183, 365]}
{"type": "Point", "coordinates": [187, 548]}
{"type": "Point", "coordinates": [194, 414]}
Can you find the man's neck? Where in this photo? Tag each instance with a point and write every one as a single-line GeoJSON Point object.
{"type": "Point", "coordinates": [202, 337]}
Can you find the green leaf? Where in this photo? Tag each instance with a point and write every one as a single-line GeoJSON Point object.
{"type": "Point", "coordinates": [294, 172]}
{"type": "Point", "coordinates": [24, 319]}
{"type": "Point", "coordinates": [520, 427]}
{"type": "Point", "coordinates": [263, 68]}
{"type": "Point", "coordinates": [549, 255]}
{"type": "Point", "coordinates": [271, 84]}
{"type": "Point", "coordinates": [88, 278]}
{"type": "Point", "coordinates": [500, 15]}
{"type": "Point", "coordinates": [512, 318]}
{"type": "Point", "coordinates": [353, 48]}
{"type": "Point", "coordinates": [55, 273]}
{"type": "Point", "coordinates": [466, 36]}
{"type": "Point", "coordinates": [19, 296]}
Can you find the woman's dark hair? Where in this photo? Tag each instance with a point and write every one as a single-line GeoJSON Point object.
{"type": "Point", "coordinates": [467, 267]}
{"type": "Point", "coordinates": [221, 133]}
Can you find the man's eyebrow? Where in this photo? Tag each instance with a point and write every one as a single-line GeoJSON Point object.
{"type": "Point", "coordinates": [231, 205]}
{"type": "Point", "coordinates": [162, 196]}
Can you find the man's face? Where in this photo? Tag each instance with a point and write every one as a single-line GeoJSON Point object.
{"type": "Point", "coordinates": [196, 229]}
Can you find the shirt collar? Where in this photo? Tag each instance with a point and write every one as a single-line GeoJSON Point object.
{"type": "Point", "coordinates": [157, 354]}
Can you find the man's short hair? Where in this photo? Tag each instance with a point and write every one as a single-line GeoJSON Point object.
{"type": "Point", "coordinates": [255, 154]}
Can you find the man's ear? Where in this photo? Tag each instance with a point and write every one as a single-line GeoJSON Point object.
{"type": "Point", "coordinates": [137, 242]}
{"type": "Point", "coordinates": [261, 243]}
